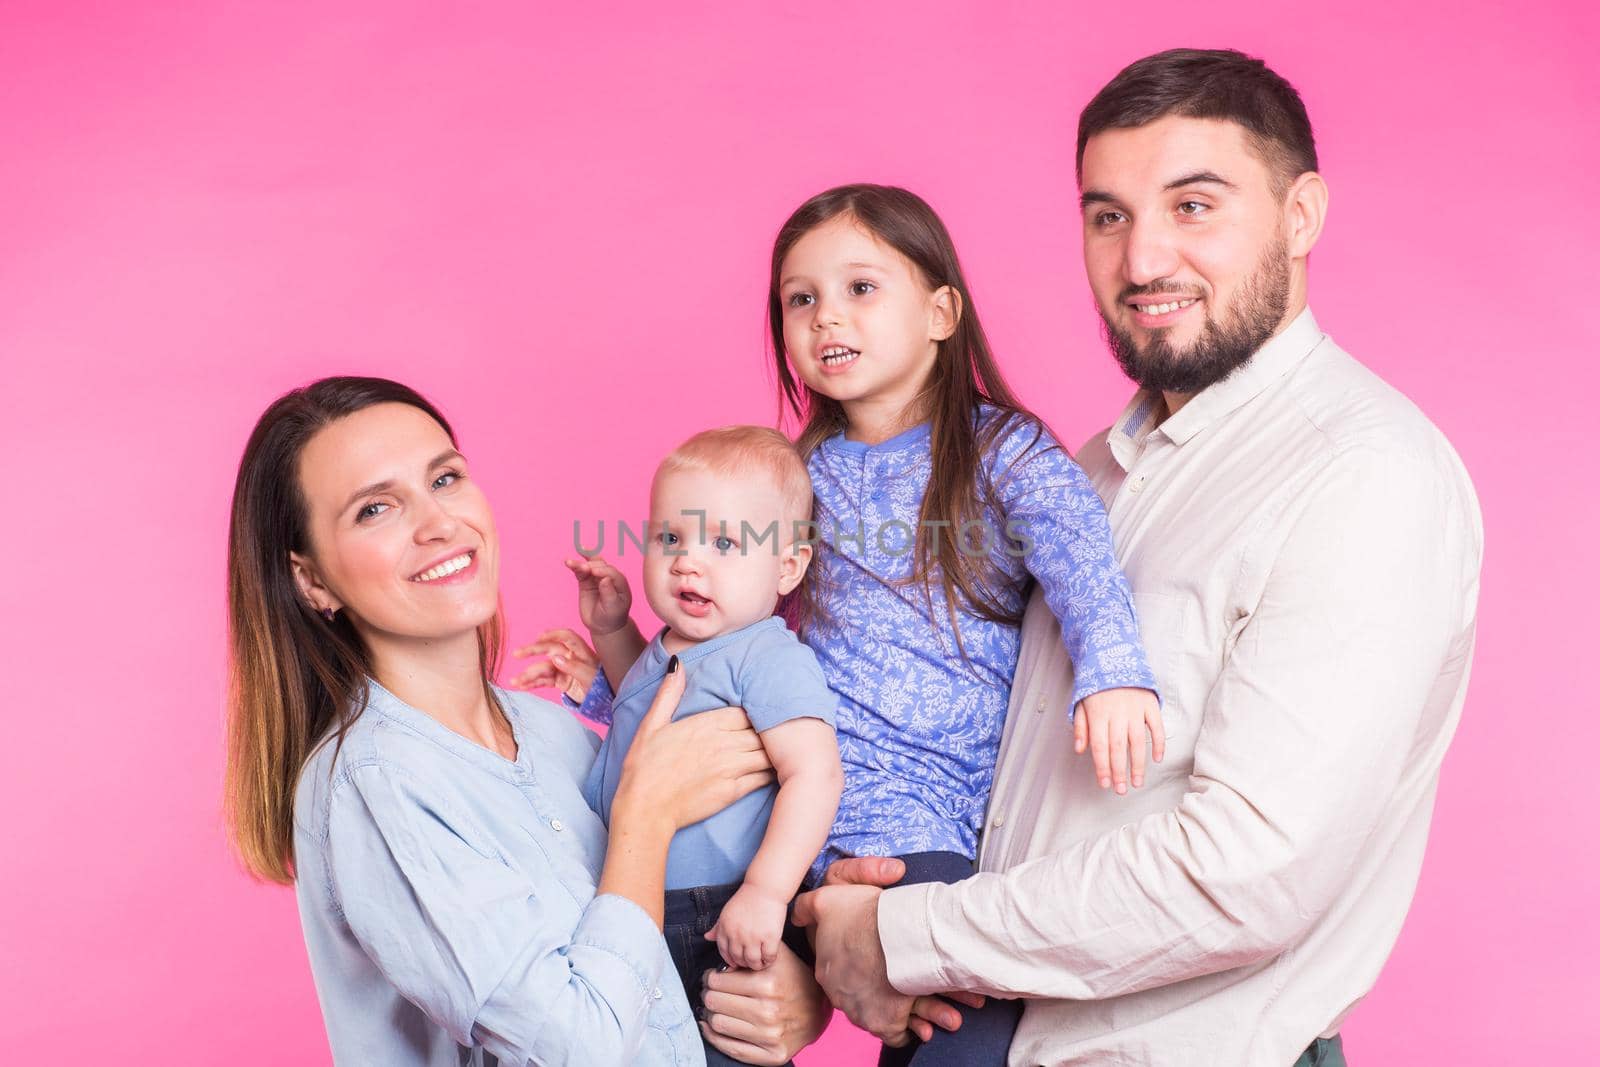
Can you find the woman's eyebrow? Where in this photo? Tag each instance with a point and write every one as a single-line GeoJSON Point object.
{"type": "Point", "coordinates": [388, 483]}
{"type": "Point", "coordinates": [445, 457]}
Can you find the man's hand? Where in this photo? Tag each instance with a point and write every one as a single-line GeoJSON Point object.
{"type": "Point", "coordinates": [927, 1012]}
{"type": "Point", "coordinates": [850, 963]}
{"type": "Point", "coordinates": [764, 1017]}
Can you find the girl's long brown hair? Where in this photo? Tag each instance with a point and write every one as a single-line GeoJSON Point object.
{"type": "Point", "coordinates": [294, 677]}
{"type": "Point", "coordinates": [964, 376]}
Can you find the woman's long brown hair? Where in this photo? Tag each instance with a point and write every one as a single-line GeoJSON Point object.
{"type": "Point", "coordinates": [964, 376]}
{"type": "Point", "coordinates": [294, 677]}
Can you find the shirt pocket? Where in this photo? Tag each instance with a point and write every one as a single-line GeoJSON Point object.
{"type": "Point", "coordinates": [1161, 626]}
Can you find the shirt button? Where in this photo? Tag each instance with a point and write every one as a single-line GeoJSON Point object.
{"type": "Point", "coordinates": [1136, 483]}
{"type": "Point", "coordinates": [998, 821]}
{"type": "Point", "coordinates": [557, 825]}
{"type": "Point", "coordinates": [1040, 708]}
{"type": "Point", "coordinates": [655, 994]}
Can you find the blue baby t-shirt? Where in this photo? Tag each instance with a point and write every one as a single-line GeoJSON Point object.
{"type": "Point", "coordinates": [761, 668]}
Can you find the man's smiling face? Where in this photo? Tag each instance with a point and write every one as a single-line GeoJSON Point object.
{"type": "Point", "coordinates": [1186, 243]}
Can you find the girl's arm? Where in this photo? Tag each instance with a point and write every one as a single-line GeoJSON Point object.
{"type": "Point", "coordinates": [805, 757]}
{"type": "Point", "coordinates": [1056, 522]}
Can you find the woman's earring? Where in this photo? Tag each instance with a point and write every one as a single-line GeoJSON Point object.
{"type": "Point", "coordinates": [327, 614]}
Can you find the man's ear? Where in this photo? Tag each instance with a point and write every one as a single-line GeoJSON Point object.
{"type": "Point", "coordinates": [792, 567]}
{"type": "Point", "coordinates": [1305, 209]}
{"type": "Point", "coordinates": [306, 578]}
{"type": "Point", "coordinates": [946, 313]}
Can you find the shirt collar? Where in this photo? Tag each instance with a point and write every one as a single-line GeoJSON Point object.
{"type": "Point", "coordinates": [1281, 354]}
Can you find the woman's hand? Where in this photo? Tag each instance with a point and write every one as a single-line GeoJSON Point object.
{"type": "Point", "coordinates": [675, 773]}
{"type": "Point", "coordinates": [604, 598]}
{"type": "Point", "coordinates": [1113, 723]}
{"type": "Point", "coordinates": [688, 770]}
{"type": "Point", "coordinates": [570, 664]}
{"type": "Point", "coordinates": [765, 1016]}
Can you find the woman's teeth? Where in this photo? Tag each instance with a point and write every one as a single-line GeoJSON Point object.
{"type": "Point", "coordinates": [838, 355]}
{"type": "Point", "coordinates": [1162, 309]}
{"type": "Point", "coordinates": [445, 569]}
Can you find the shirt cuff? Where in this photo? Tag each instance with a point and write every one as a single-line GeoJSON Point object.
{"type": "Point", "coordinates": [596, 706]}
{"type": "Point", "coordinates": [1088, 683]}
{"type": "Point", "coordinates": [905, 929]}
{"type": "Point", "coordinates": [620, 928]}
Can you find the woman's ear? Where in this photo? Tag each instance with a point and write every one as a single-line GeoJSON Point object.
{"type": "Point", "coordinates": [946, 313]}
{"type": "Point", "coordinates": [317, 595]}
{"type": "Point", "coordinates": [792, 567]}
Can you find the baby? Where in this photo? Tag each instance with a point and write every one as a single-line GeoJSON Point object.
{"type": "Point", "coordinates": [725, 511]}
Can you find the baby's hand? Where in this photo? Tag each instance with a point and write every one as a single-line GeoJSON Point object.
{"type": "Point", "coordinates": [603, 595]}
{"type": "Point", "coordinates": [1113, 723]}
{"type": "Point", "coordinates": [750, 926]}
{"type": "Point", "coordinates": [570, 665]}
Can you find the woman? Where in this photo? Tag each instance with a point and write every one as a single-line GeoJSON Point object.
{"type": "Point", "coordinates": [459, 900]}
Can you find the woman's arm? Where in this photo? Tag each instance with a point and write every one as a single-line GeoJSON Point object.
{"type": "Point", "coordinates": [675, 774]}
{"type": "Point", "coordinates": [477, 944]}
{"type": "Point", "coordinates": [469, 940]}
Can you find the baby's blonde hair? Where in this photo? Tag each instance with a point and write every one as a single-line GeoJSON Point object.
{"type": "Point", "coordinates": [742, 450]}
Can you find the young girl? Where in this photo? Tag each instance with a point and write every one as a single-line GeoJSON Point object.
{"type": "Point", "coordinates": [939, 502]}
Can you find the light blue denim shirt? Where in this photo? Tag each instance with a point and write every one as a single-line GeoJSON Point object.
{"type": "Point", "coordinates": [448, 901]}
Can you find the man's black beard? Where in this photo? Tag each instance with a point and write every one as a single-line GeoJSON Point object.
{"type": "Point", "coordinates": [1221, 348]}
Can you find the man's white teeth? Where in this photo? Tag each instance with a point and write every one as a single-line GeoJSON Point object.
{"type": "Point", "coordinates": [445, 569]}
{"type": "Point", "coordinates": [1162, 309]}
{"type": "Point", "coordinates": [836, 355]}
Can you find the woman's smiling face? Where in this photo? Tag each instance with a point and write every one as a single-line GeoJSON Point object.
{"type": "Point", "coordinates": [401, 540]}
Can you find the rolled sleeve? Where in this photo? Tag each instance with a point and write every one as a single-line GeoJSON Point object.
{"type": "Point", "coordinates": [467, 939]}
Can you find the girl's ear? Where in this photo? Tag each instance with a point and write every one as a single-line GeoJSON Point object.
{"type": "Point", "coordinates": [792, 567]}
{"type": "Point", "coordinates": [946, 313]}
{"type": "Point", "coordinates": [309, 582]}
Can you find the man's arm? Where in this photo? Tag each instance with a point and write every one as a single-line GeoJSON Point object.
{"type": "Point", "coordinates": [1303, 745]}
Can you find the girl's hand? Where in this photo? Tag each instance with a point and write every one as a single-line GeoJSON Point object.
{"type": "Point", "coordinates": [603, 595]}
{"type": "Point", "coordinates": [570, 666]}
{"type": "Point", "coordinates": [1113, 723]}
{"type": "Point", "coordinates": [750, 927]}
{"type": "Point", "coordinates": [685, 771]}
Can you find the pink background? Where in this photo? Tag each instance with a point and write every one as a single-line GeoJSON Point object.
{"type": "Point", "coordinates": [556, 224]}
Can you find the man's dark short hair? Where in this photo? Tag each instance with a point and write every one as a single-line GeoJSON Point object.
{"type": "Point", "coordinates": [1217, 84]}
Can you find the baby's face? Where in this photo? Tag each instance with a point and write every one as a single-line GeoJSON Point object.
{"type": "Point", "coordinates": [721, 551]}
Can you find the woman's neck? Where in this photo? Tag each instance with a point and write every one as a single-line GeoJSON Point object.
{"type": "Point", "coordinates": [444, 680]}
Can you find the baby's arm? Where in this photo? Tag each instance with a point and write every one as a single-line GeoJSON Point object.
{"type": "Point", "coordinates": [603, 602]}
{"type": "Point", "coordinates": [805, 756]}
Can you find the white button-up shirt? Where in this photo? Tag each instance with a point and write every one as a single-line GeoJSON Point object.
{"type": "Point", "coordinates": [1304, 549]}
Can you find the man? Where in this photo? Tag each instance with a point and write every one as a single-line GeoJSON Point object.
{"type": "Point", "coordinates": [1304, 549]}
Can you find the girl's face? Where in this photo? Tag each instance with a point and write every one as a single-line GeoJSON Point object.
{"type": "Point", "coordinates": [860, 323]}
{"type": "Point", "coordinates": [401, 539]}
